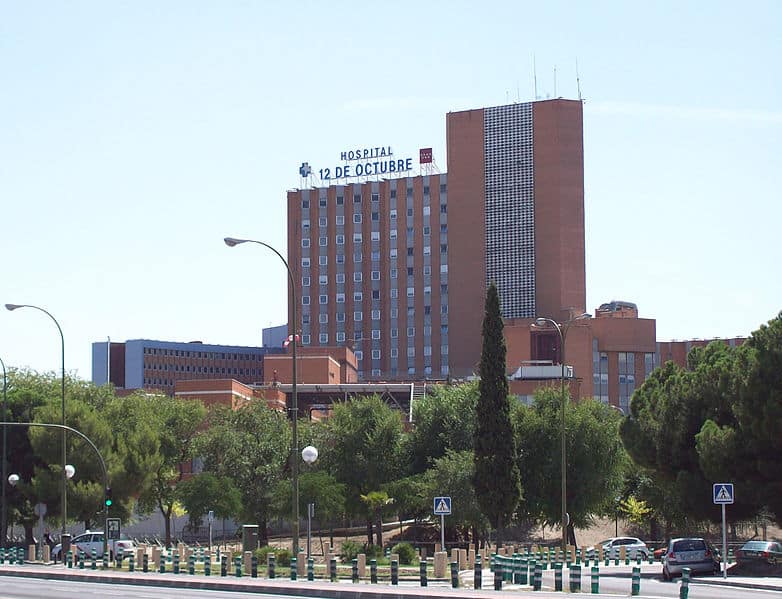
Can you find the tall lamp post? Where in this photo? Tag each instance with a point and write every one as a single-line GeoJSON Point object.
{"type": "Point", "coordinates": [309, 454]}
{"type": "Point", "coordinates": [294, 453]}
{"type": "Point", "coordinates": [64, 457]}
{"type": "Point", "coordinates": [542, 322]}
{"type": "Point", "coordinates": [5, 459]}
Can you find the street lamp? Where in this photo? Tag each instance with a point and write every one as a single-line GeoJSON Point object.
{"type": "Point", "coordinates": [542, 322]}
{"type": "Point", "coordinates": [309, 454]}
{"type": "Point", "coordinates": [4, 516]}
{"type": "Point", "coordinates": [62, 346]}
{"type": "Point", "coordinates": [294, 457]}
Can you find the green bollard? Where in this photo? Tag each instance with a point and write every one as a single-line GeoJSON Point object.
{"type": "Point", "coordinates": [537, 581]}
{"type": "Point", "coordinates": [105, 561]}
{"type": "Point", "coordinates": [394, 572]}
{"type": "Point", "coordinates": [207, 566]}
{"type": "Point", "coordinates": [254, 566]}
{"type": "Point", "coordinates": [310, 568]}
{"type": "Point", "coordinates": [684, 589]}
{"type": "Point", "coordinates": [70, 559]}
{"type": "Point", "coordinates": [635, 588]}
{"type": "Point", "coordinates": [94, 556]}
{"type": "Point", "coordinates": [422, 573]}
{"type": "Point", "coordinates": [455, 575]}
{"type": "Point", "coordinates": [131, 562]}
{"type": "Point", "coordinates": [333, 569]}
{"type": "Point", "coordinates": [294, 568]}
{"type": "Point", "coordinates": [373, 571]}
{"type": "Point", "coordinates": [523, 571]}
{"type": "Point", "coordinates": [162, 564]}
{"type": "Point", "coordinates": [81, 560]}
{"type": "Point", "coordinates": [238, 566]}
{"type": "Point", "coordinates": [176, 562]}
{"type": "Point", "coordinates": [145, 563]}
{"type": "Point", "coordinates": [223, 565]}
{"type": "Point", "coordinates": [595, 580]}
{"type": "Point", "coordinates": [270, 566]}
{"type": "Point", "coordinates": [557, 576]}
{"type": "Point", "coordinates": [497, 576]}
{"type": "Point", "coordinates": [478, 573]}
{"type": "Point", "coordinates": [354, 570]}
{"type": "Point", "coordinates": [575, 578]}
{"type": "Point", "coordinates": [191, 564]}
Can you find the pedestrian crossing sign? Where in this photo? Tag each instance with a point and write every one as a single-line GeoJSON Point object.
{"type": "Point", "coordinates": [723, 493]}
{"type": "Point", "coordinates": [442, 506]}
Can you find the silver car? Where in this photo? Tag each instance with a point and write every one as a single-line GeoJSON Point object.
{"type": "Point", "coordinates": [90, 540]}
{"type": "Point", "coordinates": [690, 552]}
{"type": "Point", "coordinates": [612, 548]}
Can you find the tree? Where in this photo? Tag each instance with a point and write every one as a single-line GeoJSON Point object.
{"type": "Point", "coordinates": [362, 448]}
{"type": "Point", "coordinates": [250, 446]}
{"type": "Point", "coordinates": [596, 460]}
{"type": "Point", "coordinates": [444, 421]}
{"type": "Point", "coordinates": [496, 477]}
{"type": "Point", "coordinates": [206, 492]}
{"type": "Point", "coordinates": [376, 502]}
{"type": "Point", "coordinates": [178, 421]}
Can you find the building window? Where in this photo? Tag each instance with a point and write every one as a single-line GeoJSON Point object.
{"type": "Point", "coordinates": [648, 364]}
{"type": "Point", "coordinates": [305, 300]}
{"type": "Point", "coordinates": [323, 338]}
{"type": "Point", "coordinates": [375, 275]}
{"type": "Point", "coordinates": [323, 241]}
{"type": "Point", "coordinates": [376, 294]}
{"type": "Point", "coordinates": [393, 213]}
{"type": "Point", "coordinates": [375, 354]}
{"type": "Point", "coordinates": [340, 258]}
{"type": "Point", "coordinates": [392, 235]}
{"type": "Point", "coordinates": [305, 242]}
{"type": "Point", "coordinates": [375, 235]}
{"type": "Point", "coordinates": [411, 352]}
{"type": "Point", "coordinates": [375, 197]}
{"type": "Point", "coordinates": [340, 317]}
{"type": "Point", "coordinates": [340, 240]}
{"type": "Point", "coordinates": [305, 204]}
{"type": "Point", "coordinates": [358, 316]}
{"type": "Point", "coordinates": [305, 319]}
{"type": "Point", "coordinates": [443, 248]}
{"type": "Point", "coordinates": [410, 291]}
{"type": "Point", "coordinates": [323, 299]}
{"type": "Point", "coordinates": [443, 209]}
{"type": "Point", "coordinates": [357, 218]}
{"type": "Point", "coordinates": [427, 210]}
{"type": "Point", "coordinates": [427, 250]}
{"type": "Point", "coordinates": [340, 278]}
{"type": "Point", "coordinates": [392, 253]}
{"type": "Point", "coordinates": [357, 238]}
{"type": "Point", "coordinates": [340, 200]}
{"type": "Point", "coordinates": [358, 257]}
{"type": "Point", "coordinates": [394, 333]}
{"type": "Point", "coordinates": [305, 281]}
{"type": "Point", "coordinates": [323, 318]}
{"type": "Point", "coordinates": [393, 273]}
{"type": "Point", "coordinates": [322, 202]}
{"type": "Point", "coordinates": [305, 339]}
{"type": "Point", "coordinates": [359, 355]}
{"type": "Point", "coordinates": [323, 279]}
{"type": "Point", "coordinates": [409, 251]}
{"type": "Point", "coordinates": [358, 296]}
{"type": "Point", "coordinates": [626, 379]}
{"type": "Point", "coordinates": [427, 270]}
{"type": "Point", "coordinates": [375, 216]}
{"type": "Point", "coordinates": [356, 198]}
{"type": "Point", "coordinates": [357, 277]}
{"type": "Point", "coordinates": [411, 331]}
{"type": "Point", "coordinates": [427, 350]}
{"type": "Point", "coordinates": [305, 224]}
{"type": "Point", "coordinates": [340, 337]}
{"type": "Point", "coordinates": [323, 260]}
{"type": "Point", "coordinates": [375, 256]}
{"type": "Point", "coordinates": [394, 312]}
{"type": "Point", "coordinates": [340, 298]}
{"type": "Point", "coordinates": [340, 220]}
{"type": "Point", "coordinates": [375, 332]}
{"type": "Point", "coordinates": [322, 222]}
{"type": "Point", "coordinates": [410, 212]}
{"type": "Point", "coordinates": [394, 293]}
{"type": "Point", "coordinates": [394, 352]}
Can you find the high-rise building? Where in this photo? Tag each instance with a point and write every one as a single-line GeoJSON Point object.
{"type": "Point", "coordinates": [398, 267]}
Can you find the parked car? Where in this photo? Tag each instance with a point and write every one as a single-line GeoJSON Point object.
{"type": "Point", "coordinates": [691, 552]}
{"type": "Point", "coordinates": [612, 548]}
{"type": "Point", "coordinates": [760, 551]}
{"type": "Point", "coordinates": [90, 540]}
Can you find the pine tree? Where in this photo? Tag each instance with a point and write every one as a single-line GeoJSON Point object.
{"type": "Point", "coordinates": [496, 479]}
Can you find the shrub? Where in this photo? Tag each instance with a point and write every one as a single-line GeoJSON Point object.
{"type": "Point", "coordinates": [282, 556]}
{"type": "Point", "coordinates": [373, 551]}
{"type": "Point", "coordinates": [350, 549]}
{"type": "Point", "coordinates": [406, 553]}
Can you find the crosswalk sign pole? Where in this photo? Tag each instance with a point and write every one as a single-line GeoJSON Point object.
{"type": "Point", "coordinates": [724, 546]}
{"type": "Point", "coordinates": [442, 532]}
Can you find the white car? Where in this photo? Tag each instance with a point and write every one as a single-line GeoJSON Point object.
{"type": "Point", "coordinates": [612, 547]}
{"type": "Point", "coordinates": [90, 540]}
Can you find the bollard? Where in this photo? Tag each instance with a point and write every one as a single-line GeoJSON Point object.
{"type": "Point", "coordinates": [294, 568]}
{"type": "Point", "coordinates": [176, 562]}
{"type": "Point", "coordinates": [354, 570]}
{"type": "Point", "coordinates": [497, 576]}
{"type": "Point", "coordinates": [254, 566]}
{"type": "Point", "coordinates": [81, 560]}
{"type": "Point", "coordinates": [635, 588]}
{"type": "Point", "coordinates": [191, 564]}
{"type": "Point", "coordinates": [373, 571]}
{"type": "Point", "coordinates": [575, 578]}
{"type": "Point", "coordinates": [94, 556]}
{"type": "Point", "coordinates": [131, 562]}
{"type": "Point", "coordinates": [105, 561]}
{"type": "Point", "coordinates": [537, 581]}
{"type": "Point", "coordinates": [523, 571]}
{"type": "Point", "coordinates": [394, 572]}
{"type": "Point", "coordinates": [223, 565]}
{"type": "Point", "coordinates": [162, 566]}
{"type": "Point", "coordinates": [145, 563]}
{"type": "Point", "coordinates": [557, 576]}
{"type": "Point", "coordinates": [422, 572]}
{"type": "Point", "coordinates": [270, 566]}
{"type": "Point", "coordinates": [333, 569]}
{"type": "Point", "coordinates": [310, 568]}
{"type": "Point", "coordinates": [238, 566]}
{"type": "Point", "coordinates": [207, 566]}
{"type": "Point", "coordinates": [684, 589]}
{"type": "Point", "coordinates": [478, 573]}
{"type": "Point", "coordinates": [595, 580]}
{"type": "Point", "coordinates": [69, 558]}
{"type": "Point", "coordinates": [455, 575]}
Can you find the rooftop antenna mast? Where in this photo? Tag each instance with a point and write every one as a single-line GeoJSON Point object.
{"type": "Point", "coordinates": [578, 82]}
{"type": "Point", "coordinates": [535, 76]}
{"type": "Point", "coordinates": [555, 81]}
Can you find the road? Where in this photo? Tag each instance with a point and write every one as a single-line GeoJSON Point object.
{"type": "Point", "coordinates": [23, 588]}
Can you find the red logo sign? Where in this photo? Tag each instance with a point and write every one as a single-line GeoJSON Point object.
{"type": "Point", "coordinates": [425, 155]}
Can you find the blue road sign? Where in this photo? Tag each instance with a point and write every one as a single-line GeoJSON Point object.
{"type": "Point", "coordinates": [442, 506]}
{"type": "Point", "coordinates": [723, 493]}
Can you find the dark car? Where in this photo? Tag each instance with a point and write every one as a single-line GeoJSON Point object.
{"type": "Point", "coordinates": [760, 551]}
{"type": "Point", "coordinates": [691, 552]}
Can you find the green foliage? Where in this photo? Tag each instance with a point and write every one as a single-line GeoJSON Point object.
{"type": "Point", "coordinates": [635, 510]}
{"type": "Point", "coordinates": [372, 551]}
{"type": "Point", "coordinates": [320, 488]}
{"type": "Point", "coordinates": [496, 475]}
{"type": "Point", "coordinates": [205, 492]}
{"type": "Point", "coordinates": [451, 475]}
{"type": "Point", "coordinates": [444, 420]}
{"type": "Point", "coordinates": [406, 553]}
{"type": "Point", "coordinates": [250, 446]}
{"type": "Point", "coordinates": [282, 557]}
{"type": "Point", "coordinates": [349, 551]}
{"type": "Point", "coordinates": [596, 460]}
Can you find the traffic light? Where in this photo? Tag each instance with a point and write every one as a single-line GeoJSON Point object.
{"type": "Point", "coordinates": [108, 498]}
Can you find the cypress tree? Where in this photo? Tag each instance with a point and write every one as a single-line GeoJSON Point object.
{"type": "Point", "coordinates": [496, 480]}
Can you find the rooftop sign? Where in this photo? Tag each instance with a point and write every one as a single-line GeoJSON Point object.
{"type": "Point", "coordinates": [376, 161]}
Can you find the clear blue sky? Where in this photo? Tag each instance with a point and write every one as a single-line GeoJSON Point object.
{"type": "Point", "coordinates": [134, 136]}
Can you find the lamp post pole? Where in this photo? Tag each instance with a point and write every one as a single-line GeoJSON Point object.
{"type": "Point", "coordinates": [294, 409]}
{"type": "Point", "coordinates": [540, 322]}
{"type": "Point", "coordinates": [5, 459]}
{"type": "Point", "coordinates": [62, 385]}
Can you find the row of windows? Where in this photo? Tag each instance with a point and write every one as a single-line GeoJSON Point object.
{"type": "Point", "coordinates": [374, 197]}
{"type": "Point", "coordinates": [205, 369]}
{"type": "Point", "coordinates": [154, 351]}
{"type": "Point", "coordinates": [358, 258]}
{"type": "Point", "coordinates": [323, 241]}
{"type": "Point", "coordinates": [358, 277]}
